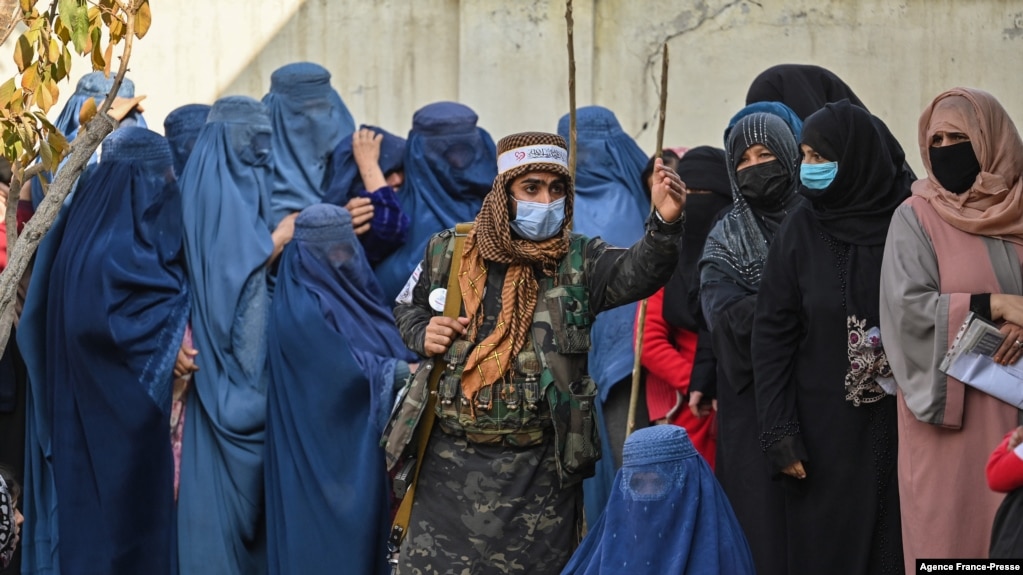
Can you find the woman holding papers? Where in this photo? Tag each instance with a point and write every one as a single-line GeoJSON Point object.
{"type": "Point", "coordinates": [955, 246]}
{"type": "Point", "coordinates": [822, 382]}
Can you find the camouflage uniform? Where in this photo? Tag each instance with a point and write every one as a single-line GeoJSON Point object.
{"type": "Point", "coordinates": [499, 491]}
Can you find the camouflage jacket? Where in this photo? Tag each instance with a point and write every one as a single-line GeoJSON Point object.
{"type": "Point", "coordinates": [548, 386]}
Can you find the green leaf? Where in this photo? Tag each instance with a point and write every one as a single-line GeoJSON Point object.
{"type": "Point", "coordinates": [75, 15]}
{"type": "Point", "coordinates": [7, 92]}
{"type": "Point", "coordinates": [23, 53]}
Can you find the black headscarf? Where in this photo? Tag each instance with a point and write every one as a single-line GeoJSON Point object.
{"type": "Point", "coordinates": [806, 88]}
{"type": "Point", "coordinates": [853, 214]}
{"type": "Point", "coordinates": [803, 87]}
{"type": "Point", "coordinates": [857, 207]}
{"type": "Point", "coordinates": [702, 168]}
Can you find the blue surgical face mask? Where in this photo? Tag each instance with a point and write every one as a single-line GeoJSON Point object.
{"type": "Point", "coordinates": [818, 176]}
{"type": "Point", "coordinates": [537, 222]}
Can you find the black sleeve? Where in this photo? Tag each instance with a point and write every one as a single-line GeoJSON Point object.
{"type": "Point", "coordinates": [412, 318]}
{"type": "Point", "coordinates": [980, 304]}
{"type": "Point", "coordinates": [777, 329]}
{"type": "Point", "coordinates": [731, 343]}
{"type": "Point", "coordinates": [617, 276]}
{"type": "Point", "coordinates": [704, 377]}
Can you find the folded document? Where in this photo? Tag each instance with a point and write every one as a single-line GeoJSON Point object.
{"type": "Point", "coordinates": [969, 360]}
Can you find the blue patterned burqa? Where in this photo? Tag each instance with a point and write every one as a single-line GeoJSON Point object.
{"type": "Point", "coordinates": [102, 327]}
{"type": "Point", "coordinates": [450, 165]}
{"type": "Point", "coordinates": [333, 353]}
{"type": "Point", "coordinates": [225, 200]}
{"type": "Point", "coordinates": [309, 119]}
{"type": "Point", "coordinates": [667, 514]}
{"type": "Point", "coordinates": [92, 85]}
{"type": "Point", "coordinates": [610, 202]}
{"type": "Point", "coordinates": [181, 127]}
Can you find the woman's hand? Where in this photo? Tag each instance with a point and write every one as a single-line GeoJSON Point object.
{"type": "Point", "coordinates": [1012, 348]}
{"type": "Point", "coordinates": [1016, 438]}
{"type": "Point", "coordinates": [185, 363]}
{"type": "Point", "coordinates": [698, 406]}
{"type": "Point", "coordinates": [281, 235]}
{"type": "Point", "coordinates": [366, 150]}
{"type": "Point", "coordinates": [795, 470]}
{"type": "Point", "coordinates": [1007, 307]}
{"type": "Point", "coordinates": [361, 210]}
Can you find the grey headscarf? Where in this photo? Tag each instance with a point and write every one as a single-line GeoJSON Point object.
{"type": "Point", "coordinates": [737, 245]}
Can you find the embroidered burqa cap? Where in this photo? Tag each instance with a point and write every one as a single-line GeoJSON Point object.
{"type": "Point", "coordinates": [181, 128]}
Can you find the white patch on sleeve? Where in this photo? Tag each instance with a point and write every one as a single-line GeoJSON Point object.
{"type": "Point", "coordinates": [405, 296]}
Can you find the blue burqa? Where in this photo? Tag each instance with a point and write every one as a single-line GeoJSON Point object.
{"type": "Point", "coordinates": [667, 514]}
{"type": "Point", "coordinates": [344, 180]}
{"type": "Point", "coordinates": [610, 202]}
{"type": "Point", "coordinates": [450, 165]}
{"type": "Point", "coordinates": [92, 85]}
{"type": "Point", "coordinates": [333, 353]}
{"type": "Point", "coordinates": [309, 120]}
{"type": "Point", "coordinates": [225, 201]}
{"type": "Point", "coordinates": [181, 127]}
{"type": "Point", "coordinates": [116, 307]}
{"type": "Point", "coordinates": [40, 540]}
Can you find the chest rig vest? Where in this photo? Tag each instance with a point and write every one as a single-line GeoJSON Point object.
{"type": "Point", "coordinates": [547, 389]}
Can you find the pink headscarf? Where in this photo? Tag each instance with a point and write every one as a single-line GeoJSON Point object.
{"type": "Point", "coordinates": [993, 206]}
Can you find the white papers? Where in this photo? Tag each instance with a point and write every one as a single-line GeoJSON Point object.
{"type": "Point", "coordinates": [969, 361]}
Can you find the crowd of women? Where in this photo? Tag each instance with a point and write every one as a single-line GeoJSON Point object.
{"type": "Point", "coordinates": [206, 356]}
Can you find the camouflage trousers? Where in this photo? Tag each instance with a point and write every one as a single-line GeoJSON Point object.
{"type": "Point", "coordinates": [490, 509]}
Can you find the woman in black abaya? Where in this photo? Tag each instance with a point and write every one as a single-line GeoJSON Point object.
{"type": "Point", "coordinates": [823, 384]}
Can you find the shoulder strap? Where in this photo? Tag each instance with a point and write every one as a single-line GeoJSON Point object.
{"type": "Point", "coordinates": [452, 306]}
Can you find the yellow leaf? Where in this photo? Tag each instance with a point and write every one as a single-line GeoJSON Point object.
{"type": "Point", "coordinates": [58, 141]}
{"type": "Point", "coordinates": [54, 90]}
{"type": "Point", "coordinates": [30, 79]}
{"type": "Point", "coordinates": [23, 53]}
{"type": "Point", "coordinates": [7, 92]}
{"type": "Point", "coordinates": [116, 30]}
{"type": "Point", "coordinates": [87, 111]}
{"type": "Point", "coordinates": [108, 55]}
{"type": "Point", "coordinates": [44, 97]}
{"type": "Point", "coordinates": [26, 5]}
{"type": "Point", "coordinates": [54, 52]}
{"type": "Point", "coordinates": [143, 19]}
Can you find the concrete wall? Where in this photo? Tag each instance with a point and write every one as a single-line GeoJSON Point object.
{"type": "Point", "coordinates": [507, 58]}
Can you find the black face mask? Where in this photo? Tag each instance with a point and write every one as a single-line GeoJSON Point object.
{"type": "Point", "coordinates": [764, 185]}
{"type": "Point", "coordinates": [955, 167]}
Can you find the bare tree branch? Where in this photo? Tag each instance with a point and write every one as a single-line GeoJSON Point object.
{"type": "Point", "coordinates": [10, 15]}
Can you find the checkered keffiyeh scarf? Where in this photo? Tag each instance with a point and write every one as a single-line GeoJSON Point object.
{"type": "Point", "coordinates": [491, 240]}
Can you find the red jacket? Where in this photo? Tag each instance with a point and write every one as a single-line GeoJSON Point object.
{"type": "Point", "coordinates": [667, 359]}
{"type": "Point", "coordinates": [1005, 468]}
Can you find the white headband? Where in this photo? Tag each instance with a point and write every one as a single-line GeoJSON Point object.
{"type": "Point", "coordinates": [540, 154]}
